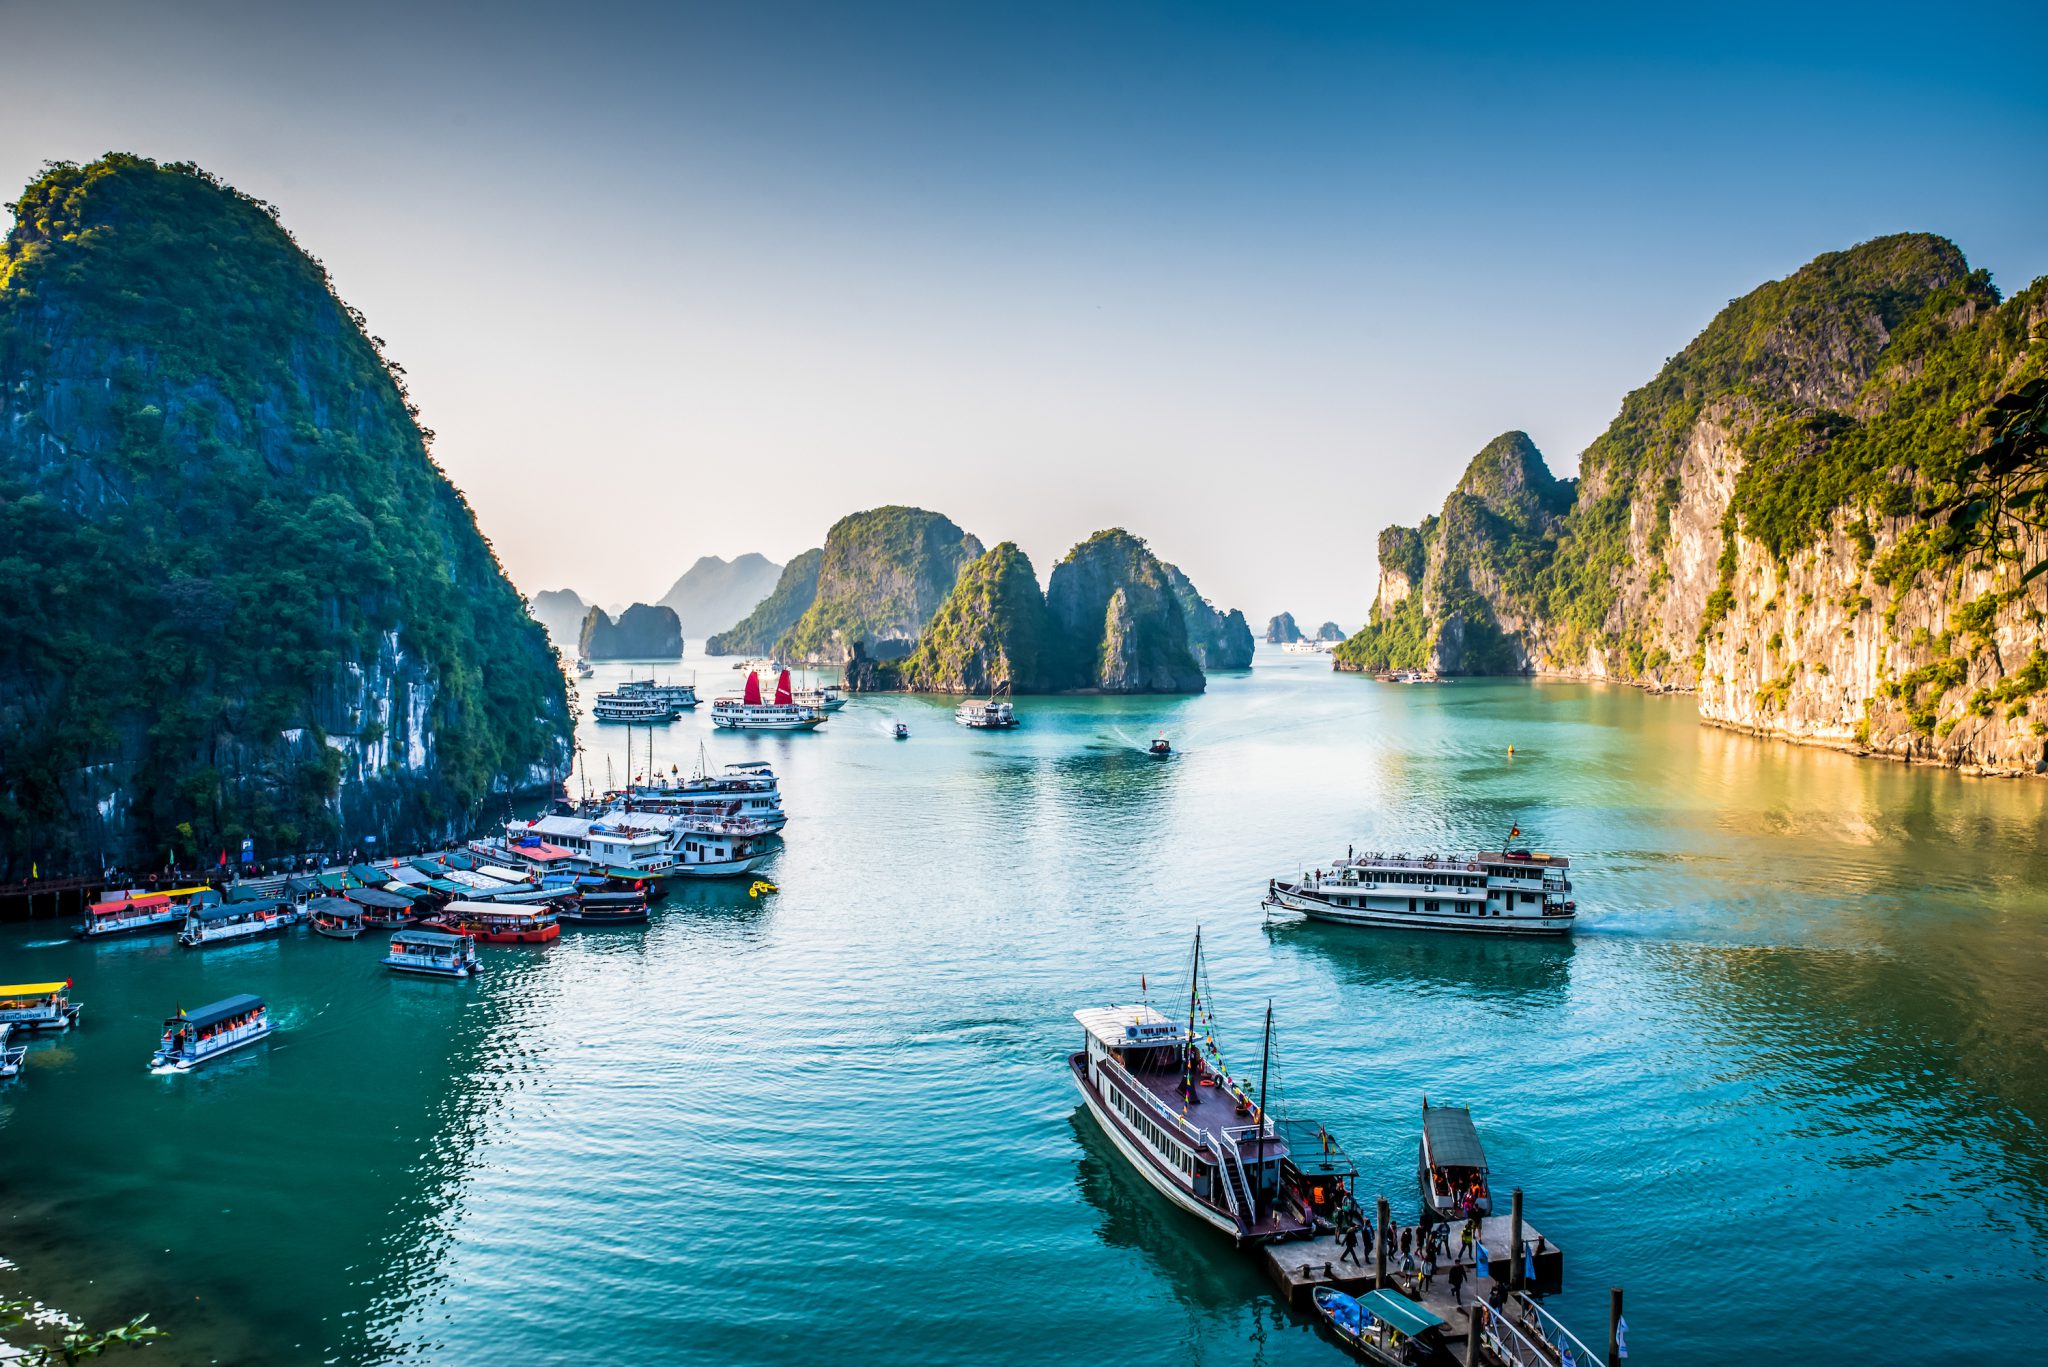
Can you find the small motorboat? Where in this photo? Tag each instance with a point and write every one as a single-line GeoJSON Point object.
{"type": "Point", "coordinates": [1161, 748]}
{"type": "Point", "coordinates": [902, 731]}
{"type": "Point", "coordinates": [1383, 1326]}
{"type": "Point", "coordinates": [192, 1038]}
{"type": "Point", "coordinates": [1451, 1165]}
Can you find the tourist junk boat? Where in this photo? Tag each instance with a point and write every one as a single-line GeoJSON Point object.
{"type": "Point", "coordinates": [1450, 1164]}
{"type": "Point", "coordinates": [1176, 1116]}
{"type": "Point", "coordinates": [39, 1006]}
{"type": "Point", "coordinates": [749, 713]}
{"type": "Point", "coordinates": [335, 917]}
{"type": "Point", "coordinates": [432, 953]}
{"type": "Point", "coordinates": [678, 697]}
{"type": "Point", "coordinates": [223, 922]}
{"type": "Point", "coordinates": [1384, 1326]}
{"type": "Point", "coordinates": [140, 910]}
{"type": "Point", "coordinates": [986, 714]}
{"type": "Point", "coordinates": [11, 1055]}
{"type": "Point", "coordinates": [636, 709]}
{"type": "Point", "coordinates": [1508, 892]}
{"type": "Point", "coordinates": [494, 923]}
{"type": "Point", "coordinates": [195, 1037]}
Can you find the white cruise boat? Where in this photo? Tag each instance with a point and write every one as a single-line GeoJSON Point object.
{"type": "Point", "coordinates": [826, 697]}
{"type": "Point", "coordinates": [748, 789]}
{"type": "Point", "coordinates": [647, 844]}
{"type": "Point", "coordinates": [681, 697]}
{"type": "Point", "coordinates": [748, 712]}
{"type": "Point", "coordinates": [637, 709]}
{"type": "Point", "coordinates": [1497, 892]}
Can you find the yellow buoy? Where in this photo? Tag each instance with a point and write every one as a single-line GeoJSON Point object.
{"type": "Point", "coordinates": [761, 885]}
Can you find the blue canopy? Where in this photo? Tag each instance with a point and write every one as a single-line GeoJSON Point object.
{"type": "Point", "coordinates": [220, 1011]}
{"type": "Point", "coordinates": [220, 911]}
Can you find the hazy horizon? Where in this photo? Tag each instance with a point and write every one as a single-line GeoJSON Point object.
{"type": "Point", "coordinates": [1252, 282]}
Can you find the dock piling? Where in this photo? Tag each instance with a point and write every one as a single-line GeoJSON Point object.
{"type": "Point", "coordinates": [1613, 1325]}
{"type": "Point", "coordinates": [1515, 1243]}
{"type": "Point", "coordinates": [1379, 1244]}
{"type": "Point", "coordinates": [1472, 1332]}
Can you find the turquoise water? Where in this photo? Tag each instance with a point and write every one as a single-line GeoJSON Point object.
{"type": "Point", "coordinates": [1797, 1055]}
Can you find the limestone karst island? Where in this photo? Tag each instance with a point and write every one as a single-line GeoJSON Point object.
{"type": "Point", "coordinates": [1017, 685]}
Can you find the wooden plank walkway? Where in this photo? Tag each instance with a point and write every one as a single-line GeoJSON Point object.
{"type": "Point", "coordinates": [1301, 1266]}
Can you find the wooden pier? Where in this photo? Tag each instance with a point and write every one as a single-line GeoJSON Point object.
{"type": "Point", "coordinates": [1299, 1267]}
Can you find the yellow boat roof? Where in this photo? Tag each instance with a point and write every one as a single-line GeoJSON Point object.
{"type": "Point", "coordinates": [33, 989]}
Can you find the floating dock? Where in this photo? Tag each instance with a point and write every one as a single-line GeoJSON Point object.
{"type": "Point", "coordinates": [1301, 1266]}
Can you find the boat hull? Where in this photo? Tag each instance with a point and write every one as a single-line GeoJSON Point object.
{"type": "Point", "coordinates": [430, 970]}
{"type": "Point", "coordinates": [1112, 1125]}
{"type": "Point", "coordinates": [64, 1019]}
{"type": "Point", "coordinates": [723, 868]}
{"type": "Point", "coordinates": [1289, 898]}
{"type": "Point", "coordinates": [729, 723]}
{"type": "Point", "coordinates": [337, 932]}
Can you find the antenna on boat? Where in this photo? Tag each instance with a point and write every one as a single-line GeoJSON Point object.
{"type": "Point", "coordinates": [1265, 1055]}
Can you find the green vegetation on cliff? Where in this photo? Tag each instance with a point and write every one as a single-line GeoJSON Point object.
{"type": "Point", "coordinates": [992, 631]}
{"type": "Point", "coordinates": [884, 573]}
{"type": "Point", "coordinates": [1116, 621]}
{"type": "Point", "coordinates": [775, 614]}
{"type": "Point", "coordinates": [242, 599]}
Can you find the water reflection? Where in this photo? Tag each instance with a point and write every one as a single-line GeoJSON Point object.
{"type": "Point", "coordinates": [1522, 975]}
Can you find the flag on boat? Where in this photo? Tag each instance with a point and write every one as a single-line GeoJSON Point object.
{"type": "Point", "coordinates": [1621, 1337]}
{"type": "Point", "coordinates": [1514, 831]}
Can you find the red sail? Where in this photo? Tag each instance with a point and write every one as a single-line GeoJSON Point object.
{"type": "Point", "coordinates": [753, 689]}
{"type": "Point", "coordinates": [782, 693]}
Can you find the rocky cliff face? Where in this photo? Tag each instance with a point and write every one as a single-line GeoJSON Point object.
{"type": "Point", "coordinates": [773, 616]}
{"type": "Point", "coordinates": [641, 632]}
{"type": "Point", "coordinates": [1330, 631]}
{"type": "Point", "coordinates": [1754, 526]}
{"type": "Point", "coordinates": [243, 601]}
{"type": "Point", "coordinates": [1218, 640]}
{"type": "Point", "coordinates": [992, 631]}
{"type": "Point", "coordinates": [561, 611]}
{"type": "Point", "coordinates": [1118, 624]}
{"type": "Point", "coordinates": [883, 575]}
{"type": "Point", "coordinates": [1281, 630]}
{"type": "Point", "coordinates": [714, 594]}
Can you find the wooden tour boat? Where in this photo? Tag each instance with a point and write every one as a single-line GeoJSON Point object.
{"type": "Point", "coordinates": [222, 922]}
{"type": "Point", "coordinates": [494, 923]}
{"type": "Point", "coordinates": [138, 910]}
{"type": "Point", "coordinates": [335, 917]}
{"type": "Point", "coordinates": [432, 953]}
{"type": "Point", "coordinates": [1384, 1326]}
{"type": "Point", "coordinates": [1451, 1165]}
{"type": "Point", "coordinates": [195, 1037]}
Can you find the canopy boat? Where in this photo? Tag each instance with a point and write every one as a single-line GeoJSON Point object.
{"type": "Point", "coordinates": [749, 713]}
{"type": "Point", "coordinates": [436, 954]}
{"type": "Point", "coordinates": [1384, 1326]}
{"type": "Point", "coordinates": [225, 921]}
{"type": "Point", "coordinates": [387, 908]}
{"type": "Point", "coordinates": [1159, 1090]}
{"type": "Point", "coordinates": [137, 909]}
{"type": "Point", "coordinates": [1451, 1165]}
{"type": "Point", "coordinates": [902, 731]}
{"type": "Point", "coordinates": [11, 1055]}
{"type": "Point", "coordinates": [335, 917]}
{"type": "Point", "coordinates": [39, 1006]}
{"type": "Point", "coordinates": [1161, 747]}
{"type": "Point", "coordinates": [195, 1037]}
{"type": "Point", "coordinates": [622, 908]}
{"type": "Point", "coordinates": [496, 924]}
{"type": "Point", "coordinates": [1505, 892]}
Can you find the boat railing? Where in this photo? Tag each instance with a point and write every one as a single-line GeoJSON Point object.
{"type": "Point", "coordinates": [1406, 861]}
{"type": "Point", "coordinates": [1188, 1132]}
{"type": "Point", "coordinates": [1550, 1331]}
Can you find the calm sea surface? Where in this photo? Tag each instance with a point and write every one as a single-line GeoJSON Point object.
{"type": "Point", "coordinates": [1795, 1064]}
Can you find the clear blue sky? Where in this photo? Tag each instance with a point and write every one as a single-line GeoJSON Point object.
{"type": "Point", "coordinates": [1251, 280]}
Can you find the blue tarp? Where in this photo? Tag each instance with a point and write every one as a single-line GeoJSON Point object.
{"type": "Point", "coordinates": [221, 1010]}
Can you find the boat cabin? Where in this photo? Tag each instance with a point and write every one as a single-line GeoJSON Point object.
{"type": "Point", "coordinates": [497, 923]}
{"type": "Point", "coordinates": [38, 1006]}
{"type": "Point", "coordinates": [433, 953]}
{"type": "Point", "coordinates": [217, 922]}
{"type": "Point", "coordinates": [1452, 1165]}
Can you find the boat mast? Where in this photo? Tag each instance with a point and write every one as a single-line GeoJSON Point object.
{"type": "Point", "coordinates": [1187, 1049]}
{"type": "Point", "coordinates": [1265, 1054]}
